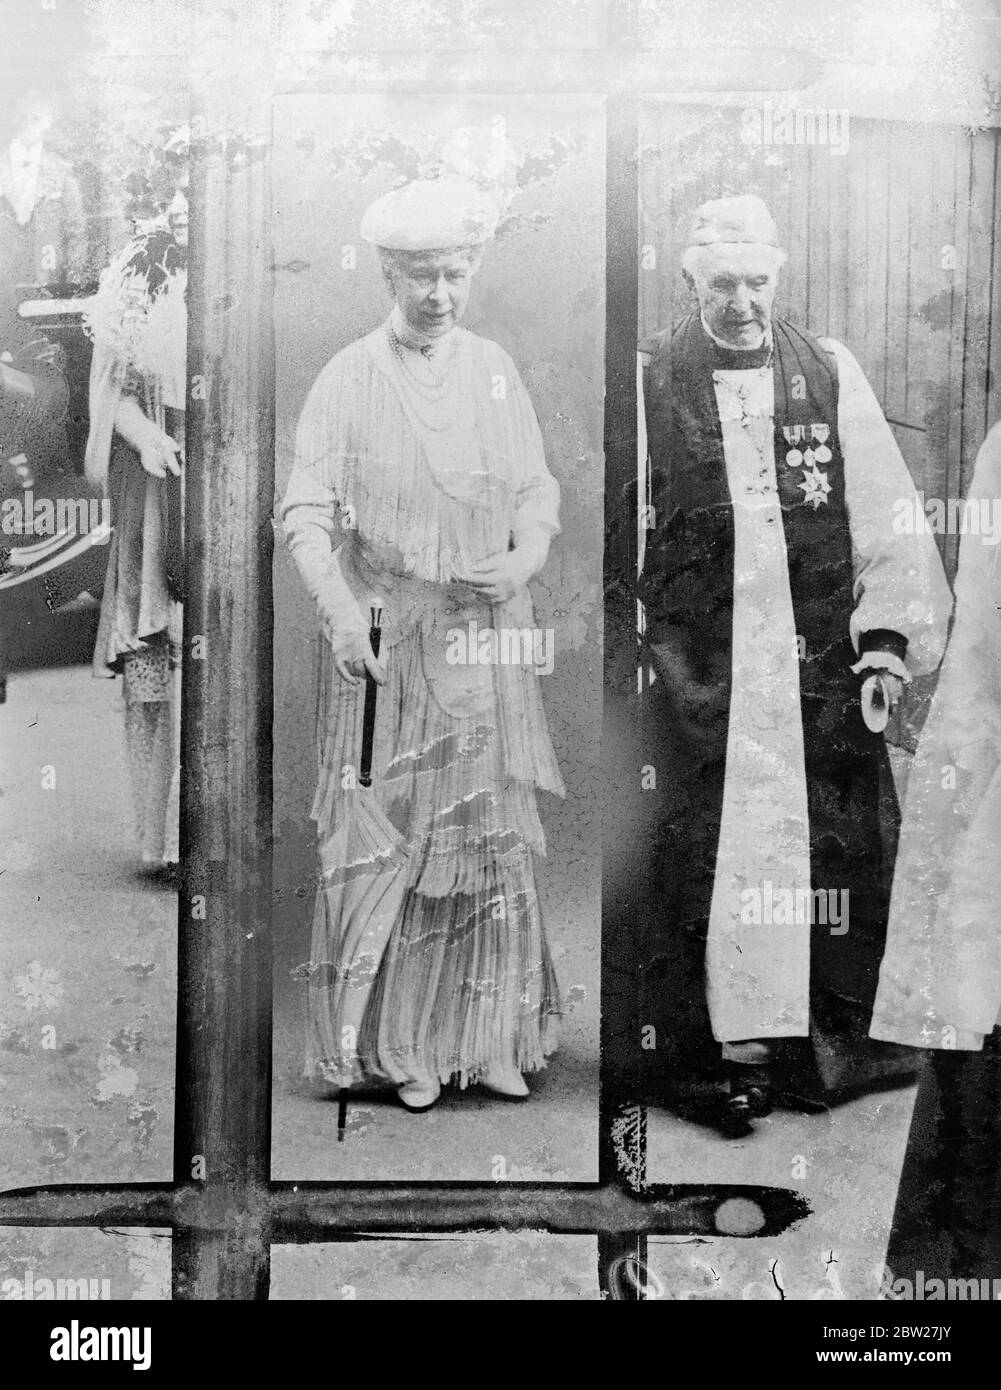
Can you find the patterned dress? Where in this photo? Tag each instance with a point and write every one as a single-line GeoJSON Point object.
{"type": "Point", "coordinates": [391, 497]}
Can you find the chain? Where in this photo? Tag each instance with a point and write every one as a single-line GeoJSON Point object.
{"type": "Point", "coordinates": [433, 393]}
{"type": "Point", "coordinates": [758, 436]}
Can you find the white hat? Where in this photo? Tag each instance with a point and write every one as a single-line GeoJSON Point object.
{"type": "Point", "coordinates": [740, 219]}
{"type": "Point", "coordinates": [430, 214]}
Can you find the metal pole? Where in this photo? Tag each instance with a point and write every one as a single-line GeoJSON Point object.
{"type": "Point", "coordinates": [622, 1124]}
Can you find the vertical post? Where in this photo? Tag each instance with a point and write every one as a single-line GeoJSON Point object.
{"type": "Point", "coordinates": [994, 333]}
{"type": "Point", "coordinates": [622, 1157]}
{"type": "Point", "coordinates": [223, 1093]}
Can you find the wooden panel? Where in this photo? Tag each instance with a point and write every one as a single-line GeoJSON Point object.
{"type": "Point", "coordinates": [994, 336]}
{"type": "Point", "coordinates": [867, 234]}
{"type": "Point", "coordinates": [857, 238]}
{"type": "Point", "coordinates": [924, 263]}
{"type": "Point", "coordinates": [934, 293]}
{"type": "Point", "coordinates": [983, 196]}
{"type": "Point", "coordinates": [951, 479]}
{"type": "Point", "coordinates": [840, 269]}
{"type": "Point", "coordinates": [898, 270]}
{"type": "Point", "coordinates": [794, 229]}
{"type": "Point", "coordinates": [817, 182]}
{"type": "Point", "coordinates": [874, 260]}
{"type": "Point", "coordinates": [224, 961]}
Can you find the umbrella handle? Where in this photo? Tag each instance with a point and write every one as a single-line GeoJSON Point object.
{"type": "Point", "coordinates": [368, 718]}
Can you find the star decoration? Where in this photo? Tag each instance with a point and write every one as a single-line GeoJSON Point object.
{"type": "Point", "coordinates": [815, 486]}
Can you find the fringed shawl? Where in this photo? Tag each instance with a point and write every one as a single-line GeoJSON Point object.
{"type": "Point", "coordinates": [416, 508]}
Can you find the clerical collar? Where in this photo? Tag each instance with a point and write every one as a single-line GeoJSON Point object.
{"type": "Point", "coordinates": [723, 357]}
{"type": "Point", "coordinates": [411, 337]}
{"type": "Point", "coordinates": [22, 153]}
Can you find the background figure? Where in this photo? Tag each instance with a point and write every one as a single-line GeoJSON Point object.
{"type": "Point", "coordinates": [419, 482]}
{"type": "Point", "coordinates": [43, 233]}
{"type": "Point", "coordinates": [940, 982]}
{"type": "Point", "coordinates": [137, 397]}
{"type": "Point", "coordinates": [42, 247]}
{"type": "Point", "coordinates": [774, 579]}
{"type": "Point", "coordinates": [43, 237]}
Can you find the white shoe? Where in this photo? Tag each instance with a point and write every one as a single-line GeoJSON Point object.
{"type": "Point", "coordinates": [419, 1094]}
{"type": "Point", "coordinates": [506, 1081]}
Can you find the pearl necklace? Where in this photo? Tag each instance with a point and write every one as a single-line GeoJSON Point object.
{"type": "Point", "coordinates": [441, 393]}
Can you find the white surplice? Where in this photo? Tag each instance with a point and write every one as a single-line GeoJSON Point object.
{"type": "Point", "coordinates": [758, 970]}
{"type": "Point", "coordinates": [940, 981]}
{"type": "Point", "coordinates": [757, 973]}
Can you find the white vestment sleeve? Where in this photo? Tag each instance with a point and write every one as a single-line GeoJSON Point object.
{"type": "Point", "coordinates": [900, 584]}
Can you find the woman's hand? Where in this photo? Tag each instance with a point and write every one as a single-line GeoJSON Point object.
{"type": "Point", "coordinates": [158, 454]}
{"type": "Point", "coordinates": [499, 577]}
{"type": "Point", "coordinates": [157, 451]}
{"type": "Point", "coordinates": [356, 659]}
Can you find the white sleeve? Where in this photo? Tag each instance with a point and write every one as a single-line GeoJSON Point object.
{"type": "Point", "coordinates": [312, 517]}
{"type": "Point", "coordinates": [900, 583]}
{"type": "Point", "coordinates": [940, 978]}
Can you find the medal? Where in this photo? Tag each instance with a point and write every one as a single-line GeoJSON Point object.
{"type": "Point", "coordinates": [794, 435]}
{"type": "Point", "coordinates": [820, 433]}
{"type": "Point", "coordinates": [815, 487]}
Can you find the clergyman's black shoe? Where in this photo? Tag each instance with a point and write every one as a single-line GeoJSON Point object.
{"type": "Point", "coordinates": [735, 1117]}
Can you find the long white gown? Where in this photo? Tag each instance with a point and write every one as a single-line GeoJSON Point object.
{"type": "Point", "coordinates": [390, 498]}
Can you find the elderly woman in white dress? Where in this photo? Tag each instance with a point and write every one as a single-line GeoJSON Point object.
{"type": "Point", "coordinates": [420, 482]}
